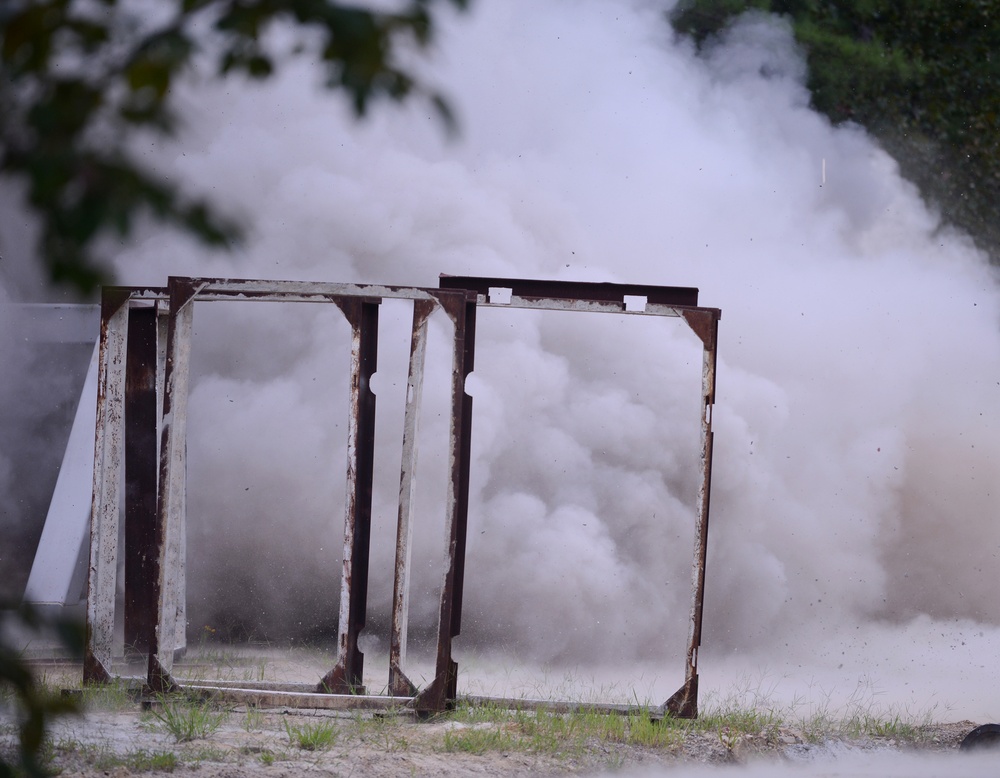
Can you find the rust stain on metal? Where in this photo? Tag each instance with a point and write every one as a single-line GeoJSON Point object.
{"type": "Point", "coordinates": [442, 690]}
{"type": "Point", "coordinates": [704, 322]}
{"type": "Point", "coordinates": [649, 300]}
{"type": "Point", "coordinates": [346, 676]}
{"type": "Point", "coordinates": [169, 575]}
{"type": "Point", "coordinates": [458, 297]}
{"type": "Point", "coordinates": [399, 683]}
{"type": "Point", "coordinates": [108, 442]}
{"type": "Point", "coordinates": [552, 293]}
{"type": "Point", "coordinates": [140, 474]}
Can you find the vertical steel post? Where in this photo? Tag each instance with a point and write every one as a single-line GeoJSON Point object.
{"type": "Point", "coordinates": [108, 449]}
{"type": "Point", "coordinates": [141, 471]}
{"type": "Point", "coordinates": [705, 324]}
{"type": "Point", "coordinates": [346, 677]}
{"type": "Point", "coordinates": [171, 493]}
{"type": "Point", "coordinates": [180, 561]}
{"type": "Point", "coordinates": [443, 689]}
{"type": "Point", "coordinates": [399, 684]}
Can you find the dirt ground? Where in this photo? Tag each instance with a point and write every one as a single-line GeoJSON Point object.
{"type": "Point", "coordinates": [254, 742]}
{"type": "Point", "coordinates": [118, 735]}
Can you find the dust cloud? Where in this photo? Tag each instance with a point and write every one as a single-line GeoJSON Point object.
{"type": "Point", "coordinates": [852, 763]}
{"type": "Point", "coordinates": [854, 526]}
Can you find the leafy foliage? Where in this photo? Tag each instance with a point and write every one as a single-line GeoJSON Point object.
{"type": "Point", "coordinates": [79, 79]}
{"type": "Point", "coordinates": [35, 704]}
{"type": "Point", "coordinates": [921, 75]}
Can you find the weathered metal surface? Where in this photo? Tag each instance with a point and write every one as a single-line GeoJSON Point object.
{"type": "Point", "coordinates": [704, 322]}
{"type": "Point", "coordinates": [314, 700]}
{"type": "Point", "coordinates": [291, 696]}
{"type": "Point", "coordinates": [684, 702]}
{"type": "Point", "coordinates": [108, 459]}
{"type": "Point", "coordinates": [459, 298]}
{"type": "Point", "coordinates": [163, 333]}
{"type": "Point", "coordinates": [346, 676]}
{"type": "Point", "coordinates": [169, 572]}
{"type": "Point", "coordinates": [399, 683]}
{"type": "Point", "coordinates": [633, 300]}
{"type": "Point", "coordinates": [302, 291]}
{"type": "Point", "coordinates": [552, 294]}
{"type": "Point", "coordinates": [441, 692]}
{"type": "Point", "coordinates": [141, 423]}
{"type": "Point", "coordinates": [462, 457]}
{"type": "Point", "coordinates": [58, 578]}
{"type": "Point", "coordinates": [108, 450]}
{"type": "Point", "coordinates": [110, 445]}
{"type": "Point", "coordinates": [360, 304]}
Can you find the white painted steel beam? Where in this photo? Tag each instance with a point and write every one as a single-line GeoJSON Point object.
{"type": "Point", "coordinates": [59, 572]}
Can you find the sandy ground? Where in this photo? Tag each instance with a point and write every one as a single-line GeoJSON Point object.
{"type": "Point", "coordinates": [118, 736]}
{"type": "Point", "coordinates": [258, 743]}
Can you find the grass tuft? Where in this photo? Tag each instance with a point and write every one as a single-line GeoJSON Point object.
{"type": "Point", "coordinates": [105, 760]}
{"type": "Point", "coordinates": [254, 719]}
{"type": "Point", "coordinates": [142, 761]}
{"type": "Point", "coordinates": [557, 734]}
{"type": "Point", "coordinates": [312, 737]}
{"type": "Point", "coordinates": [477, 741]}
{"type": "Point", "coordinates": [116, 696]}
{"type": "Point", "coordinates": [187, 720]}
{"type": "Point", "coordinates": [383, 729]}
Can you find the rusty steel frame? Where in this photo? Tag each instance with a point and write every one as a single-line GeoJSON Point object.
{"type": "Point", "coordinates": [161, 609]}
{"type": "Point", "coordinates": [130, 367]}
{"type": "Point", "coordinates": [679, 302]}
{"type": "Point", "coordinates": [155, 595]}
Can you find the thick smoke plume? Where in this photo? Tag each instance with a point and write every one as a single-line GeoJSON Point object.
{"type": "Point", "coordinates": [857, 417]}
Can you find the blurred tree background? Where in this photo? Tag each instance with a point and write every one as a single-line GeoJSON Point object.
{"type": "Point", "coordinates": [78, 78]}
{"type": "Point", "coordinates": [922, 76]}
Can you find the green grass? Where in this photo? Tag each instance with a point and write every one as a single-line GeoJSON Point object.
{"type": "Point", "coordinates": [186, 720]}
{"type": "Point", "coordinates": [207, 753]}
{"type": "Point", "coordinates": [381, 729]}
{"type": "Point", "coordinates": [113, 697]}
{"type": "Point", "coordinates": [140, 761]}
{"type": "Point", "coordinates": [257, 672]}
{"type": "Point", "coordinates": [748, 714]}
{"type": "Point", "coordinates": [486, 728]}
{"type": "Point", "coordinates": [749, 710]}
{"type": "Point", "coordinates": [480, 741]}
{"type": "Point", "coordinates": [253, 719]}
{"type": "Point", "coordinates": [862, 715]}
{"type": "Point", "coordinates": [764, 721]}
{"type": "Point", "coordinates": [316, 736]}
{"type": "Point", "coordinates": [103, 759]}
{"type": "Point", "coordinates": [267, 757]}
